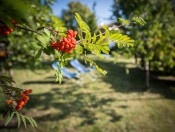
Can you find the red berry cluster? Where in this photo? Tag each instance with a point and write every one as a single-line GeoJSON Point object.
{"type": "Point", "coordinates": [23, 99]}
{"type": "Point", "coordinates": [4, 30]}
{"type": "Point", "coordinates": [67, 44]}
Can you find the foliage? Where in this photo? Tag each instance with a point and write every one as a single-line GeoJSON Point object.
{"type": "Point", "coordinates": [156, 41]}
{"type": "Point", "coordinates": [43, 43]}
{"type": "Point", "coordinates": [87, 15]}
{"type": "Point", "coordinates": [96, 43]}
{"type": "Point", "coordinates": [22, 44]}
{"type": "Point", "coordinates": [8, 90]}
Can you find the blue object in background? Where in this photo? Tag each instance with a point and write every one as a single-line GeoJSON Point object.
{"type": "Point", "coordinates": [77, 65]}
{"type": "Point", "coordinates": [65, 71]}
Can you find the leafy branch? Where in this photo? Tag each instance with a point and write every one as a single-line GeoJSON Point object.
{"type": "Point", "coordinates": [9, 92]}
{"type": "Point", "coordinates": [20, 118]}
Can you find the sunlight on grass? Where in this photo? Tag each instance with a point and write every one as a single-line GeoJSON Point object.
{"type": "Point", "coordinates": [117, 102]}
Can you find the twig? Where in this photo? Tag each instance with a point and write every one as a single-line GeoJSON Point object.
{"type": "Point", "coordinates": [27, 29]}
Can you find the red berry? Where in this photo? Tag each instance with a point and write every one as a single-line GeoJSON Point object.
{"type": "Point", "coordinates": [26, 92]}
{"type": "Point", "coordinates": [26, 98]}
{"type": "Point", "coordinates": [25, 101]}
{"type": "Point", "coordinates": [13, 22]}
{"type": "Point", "coordinates": [6, 33]}
{"type": "Point", "coordinates": [18, 107]}
{"type": "Point", "coordinates": [11, 29]}
{"type": "Point", "coordinates": [23, 95]}
{"type": "Point", "coordinates": [22, 103]}
{"type": "Point", "coordinates": [30, 90]}
{"type": "Point", "coordinates": [67, 44]}
{"type": "Point", "coordinates": [65, 40]}
{"type": "Point", "coordinates": [75, 33]}
{"type": "Point", "coordinates": [9, 101]}
{"type": "Point", "coordinates": [19, 101]}
{"type": "Point", "coordinates": [73, 40]}
{"type": "Point", "coordinates": [69, 36]}
{"type": "Point", "coordinates": [54, 44]}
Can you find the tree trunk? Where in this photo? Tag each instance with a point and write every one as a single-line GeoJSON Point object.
{"type": "Point", "coordinates": [136, 59]}
{"type": "Point", "coordinates": [147, 68]}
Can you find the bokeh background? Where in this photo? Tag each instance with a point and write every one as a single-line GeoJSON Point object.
{"type": "Point", "coordinates": [137, 94]}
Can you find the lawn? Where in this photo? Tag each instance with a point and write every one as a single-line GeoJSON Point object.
{"type": "Point", "coordinates": [117, 102]}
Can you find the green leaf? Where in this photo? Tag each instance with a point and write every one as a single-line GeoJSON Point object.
{"type": "Point", "coordinates": [83, 26]}
{"type": "Point", "coordinates": [18, 119]}
{"type": "Point", "coordinates": [51, 50]}
{"type": "Point", "coordinates": [30, 121]}
{"type": "Point", "coordinates": [79, 20]}
{"type": "Point", "coordinates": [46, 51]}
{"type": "Point", "coordinates": [105, 49]}
{"type": "Point", "coordinates": [47, 32]}
{"type": "Point", "coordinates": [106, 31]}
{"type": "Point", "coordinates": [38, 53]}
{"type": "Point", "coordinates": [94, 38]}
{"type": "Point", "coordinates": [106, 42]}
{"type": "Point", "coordinates": [24, 120]}
{"type": "Point", "coordinates": [34, 122]}
{"type": "Point", "coordinates": [6, 79]}
{"type": "Point", "coordinates": [79, 49]}
{"type": "Point", "coordinates": [100, 40]}
{"type": "Point", "coordinates": [96, 66]}
{"type": "Point", "coordinates": [9, 118]}
{"type": "Point", "coordinates": [41, 39]}
{"type": "Point", "coordinates": [124, 22]}
{"type": "Point", "coordinates": [138, 20]}
{"type": "Point", "coordinates": [121, 39]}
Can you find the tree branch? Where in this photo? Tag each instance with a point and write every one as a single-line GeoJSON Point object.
{"type": "Point", "coordinates": [27, 29]}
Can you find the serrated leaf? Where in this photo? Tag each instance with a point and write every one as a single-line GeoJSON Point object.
{"type": "Point", "coordinates": [124, 22]}
{"type": "Point", "coordinates": [121, 39]}
{"type": "Point", "coordinates": [24, 120]}
{"type": "Point", "coordinates": [34, 44]}
{"type": "Point", "coordinates": [79, 49]}
{"type": "Point", "coordinates": [94, 38]}
{"type": "Point", "coordinates": [7, 79]}
{"type": "Point", "coordinates": [18, 119]}
{"type": "Point", "coordinates": [96, 66]}
{"type": "Point", "coordinates": [51, 50]}
{"type": "Point", "coordinates": [46, 51]}
{"type": "Point", "coordinates": [38, 53]}
{"type": "Point", "coordinates": [47, 32]}
{"type": "Point", "coordinates": [138, 20]}
{"type": "Point", "coordinates": [41, 39]}
{"type": "Point", "coordinates": [30, 121]}
{"type": "Point", "coordinates": [34, 122]}
{"type": "Point", "coordinates": [105, 49]}
{"type": "Point", "coordinates": [83, 26]}
{"type": "Point", "coordinates": [79, 20]}
{"type": "Point", "coordinates": [105, 42]}
{"type": "Point", "coordinates": [100, 40]}
{"type": "Point", "coordinates": [9, 118]}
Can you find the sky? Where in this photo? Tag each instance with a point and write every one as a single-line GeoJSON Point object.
{"type": "Point", "coordinates": [102, 8]}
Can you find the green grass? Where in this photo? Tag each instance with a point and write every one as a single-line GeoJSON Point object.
{"type": "Point", "coordinates": [117, 102]}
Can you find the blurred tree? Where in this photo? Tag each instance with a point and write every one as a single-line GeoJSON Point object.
{"type": "Point", "coordinates": [20, 48]}
{"type": "Point", "coordinates": [87, 15]}
{"type": "Point", "coordinates": [155, 42]}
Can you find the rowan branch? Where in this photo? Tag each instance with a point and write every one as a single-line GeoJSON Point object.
{"type": "Point", "coordinates": [27, 29]}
